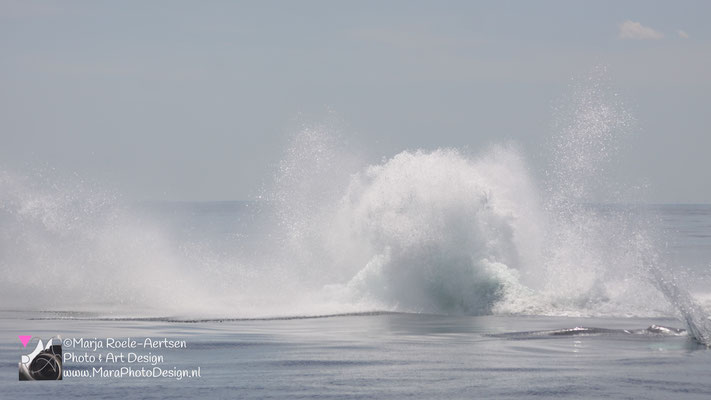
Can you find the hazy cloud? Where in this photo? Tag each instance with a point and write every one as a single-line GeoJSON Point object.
{"type": "Point", "coordinates": [682, 34]}
{"type": "Point", "coordinates": [635, 30]}
{"type": "Point", "coordinates": [27, 9]}
{"type": "Point", "coordinates": [411, 39]}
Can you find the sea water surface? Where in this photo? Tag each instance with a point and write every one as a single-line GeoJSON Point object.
{"type": "Point", "coordinates": [384, 356]}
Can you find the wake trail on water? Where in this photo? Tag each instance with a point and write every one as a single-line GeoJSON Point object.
{"type": "Point", "coordinates": [425, 231]}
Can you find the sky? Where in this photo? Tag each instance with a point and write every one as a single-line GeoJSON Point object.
{"type": "Point", "coordinates": [195, 100]}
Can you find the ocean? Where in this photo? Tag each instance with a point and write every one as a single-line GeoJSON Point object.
{"type": "Point", "coordinates": [377, 354]}
{"type": "Point", "coordinates": [432, 273]}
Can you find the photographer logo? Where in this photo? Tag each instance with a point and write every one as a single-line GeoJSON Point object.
{"type": "Point", "coordinates": [44, 363]}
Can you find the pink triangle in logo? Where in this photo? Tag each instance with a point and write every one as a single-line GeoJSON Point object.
{"type": "Point", "coordinates": [25, 339]}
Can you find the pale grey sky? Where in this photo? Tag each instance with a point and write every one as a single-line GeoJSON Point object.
{"type": "Point", "coordinates": [192, 100]}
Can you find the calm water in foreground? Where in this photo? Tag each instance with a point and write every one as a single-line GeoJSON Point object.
{"type": "Point", "coordinates": [371, 356]}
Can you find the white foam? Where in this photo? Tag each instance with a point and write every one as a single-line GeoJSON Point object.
{"type": "Point", "coordinates": [439, 231]}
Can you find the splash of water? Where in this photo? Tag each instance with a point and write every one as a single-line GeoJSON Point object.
{"type": "Point", "coordinates": [445, 233]}
{"type": "Point", "coordinates": [694, 316]}
{"type": "Point", "coordinates": [440, 231]}
{"type": "Point", "coordinates": [66, 245]}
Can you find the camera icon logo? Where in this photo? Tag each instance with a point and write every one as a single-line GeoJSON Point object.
{"type": "Point", "coordinates": [44, 363]}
